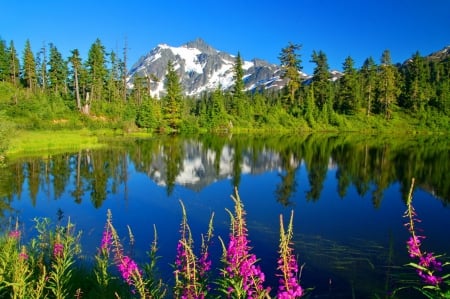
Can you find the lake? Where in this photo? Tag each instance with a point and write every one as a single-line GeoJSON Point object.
{"type": "Point", "coordinates": [348, 194]}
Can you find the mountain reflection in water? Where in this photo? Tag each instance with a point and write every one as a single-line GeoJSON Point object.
{"type": "Point", "coordinates": [347, 193]}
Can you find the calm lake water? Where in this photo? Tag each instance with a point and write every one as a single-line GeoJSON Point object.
{"type": "Point", "coordinates": [347, 192]}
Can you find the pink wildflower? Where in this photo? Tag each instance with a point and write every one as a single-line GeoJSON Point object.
{"type": "Point", "coordinates": [429, 278]}
{"type": "Point", "coordinates": [106, 240]}
{"type": "Point", "coordinates": [127, 268]}
{"type": "Point", "coordinates": [428, 264]}
{"type": "Point", "coordinates": [289, 286]}
{"type": "Point", "coordinates": [413, 245]}
{"type": "Point", "coordinates": [14, 234]}
{"type": "Point", "coordinates": [240, 263]}
{"type": "Point", "coordinates": [23, 256]}
{"type": "Point", "coordinates": [204, 264]}
{"type": "Point", "coordinates": [58, 249]}
{"type": "Point", "coordinates": [428, 260]}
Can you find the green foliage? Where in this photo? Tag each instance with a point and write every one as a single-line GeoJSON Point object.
{"type": "Point", "coordinates": [29, 67]}
{"type": "Point", "coordinates": [4, 62]}
{"type": "Point", "coordinates": [146, 115]}
{"type": "Point", "coordinates": [290, 68]}
{"type": "Point", "coordinates": [6, 132]}
{"type": "Point", "coordinates": [56, 93]}
{"type": "Point", "coordinates": [321, 78]}
{"type": "Point", "coordinates": [387, 89]}
{"type": "Point", "coordinates": [14, 65]}
{"type": "Point", "coordinates": [96, 70]}
{"type": "Point", "coordinates": [348, 101]}
{"type": "Point", "coordinates": [172, 101]}
{"type": "Point", "coordinates": [368, 74]}
{"type": "Point", "coordinates": [57, 72]}
{"type": "Point", "coordinates": [238, 77]}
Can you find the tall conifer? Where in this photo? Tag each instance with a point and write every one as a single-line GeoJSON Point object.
{"type": "Point", "coordinates": [290, 70]}
{"type": "Point", "coordinates": [4, 62]}
{"type": "Point", "coordinates": [29, 67]}
{"type": "Point", "coordinates": [58, 71]}
{"type": "Point", "coordinates": [96, 67]}
{"type": "Point", "coordinates": [387, 85]}
{"type": "Point", "coordinates": [369, 76]}
{"type": "Point", "coordinates": [172, 101]}
{"type": "Point", "coordinates": [348, 88]}
{"type": "Point", "coordinates": [321, 78]}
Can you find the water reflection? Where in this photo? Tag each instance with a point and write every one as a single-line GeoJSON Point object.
{"type": "Point", "coordinates": [196, 163]}
{"type": "Point", "coordinates": [348, 242]}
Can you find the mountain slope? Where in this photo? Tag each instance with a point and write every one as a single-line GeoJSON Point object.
{"type": "Point", "coordinates": [202, 68]}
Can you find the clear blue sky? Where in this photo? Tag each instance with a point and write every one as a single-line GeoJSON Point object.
{"type": "Point", "coordinates": [257, 29]}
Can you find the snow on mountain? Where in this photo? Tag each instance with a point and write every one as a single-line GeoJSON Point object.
{"type": "Point", "coordinates": [201, 68]}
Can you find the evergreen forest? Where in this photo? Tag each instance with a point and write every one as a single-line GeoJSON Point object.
{"type": "Point", "coordinates": [42, 90]}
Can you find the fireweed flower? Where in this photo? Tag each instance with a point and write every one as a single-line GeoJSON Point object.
{"type": "Point", "coordinates": [23, 256]}
{"type": "Point", "coordinates": [106, 240]}
{"type": "Point", "coordinates": [240, 265]}
{"type": "Point", "coordinates": [413, 245]}
{"type": "Point", "coordinates": [58, 249]}
{"type": "Point", "coordinates": [14, 234]}
{"type": "Point", "coordinates": [191, 273]}
{"type": "Point", "coordinates": [427, 263]}
{"type": "Point", "coordinates": [127, 268]}
{"type": "Point", "coordinates": [289, 286]}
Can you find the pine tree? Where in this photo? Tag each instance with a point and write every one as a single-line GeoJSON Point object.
{"type": "Point", "coordinates": [139, 88]}
{"type": "Point", "coordinates": [387, 85]}
{"type": "Point", "coordinates": [321, 78]}
{"type": "Point", "coordinates": [172, 101]}
{"type": "Point", "coordinates": [114, 79]}
{"type": "Point", "coordinates": [238, 99]}
{"type": "Point", "coordinates": [96, 68]}
{"type": "Point", "coordinates": [29, 67]}
{"type": "Point", "coordinates": [238, 77]}
{"type": "Point", "coordinates": [415, 95]}
{"type": "Point", "coordinates": [290, 70]}
{"type": "Point", "coordinates": [368, 76]}
{"type": "Point", "coordinates": [348, 88]}
{"type": "Point", "coordinates": [146, 116]}
{"type": "Point", "coordinates": [57, 71]}
{"type": "Point", "coordinates": [4, 62]}
{"type": "Point", "coordinates": [440, 78]}
{"type": "Point", "coordinates": [310, 107]}
{"type": "Point", "coordinates": [14, 65]}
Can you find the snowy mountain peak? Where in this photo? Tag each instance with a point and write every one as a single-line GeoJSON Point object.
{"type": "Point", "coordinates": [201, 68]}
{"type": "Point", "coordinates": [201, 45]}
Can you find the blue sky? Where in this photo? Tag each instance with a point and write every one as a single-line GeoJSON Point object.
{"type": "Point", "coordinates": [257, 29]}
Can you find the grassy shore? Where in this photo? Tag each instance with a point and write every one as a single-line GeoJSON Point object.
{"type": "Point", "coordinates": [42, 142]}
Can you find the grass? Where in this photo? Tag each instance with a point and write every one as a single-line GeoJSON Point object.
{"type": "Point", "coordinates": [32, 143]}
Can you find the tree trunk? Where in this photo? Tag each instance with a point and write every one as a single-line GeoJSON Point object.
{"type": "Point", "coordinates": [77, 90]}
{"type": "Point", "coordinates": [85, 108]}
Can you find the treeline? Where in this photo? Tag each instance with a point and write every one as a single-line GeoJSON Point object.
{"type": "Point", "coordinates": [42, 89]}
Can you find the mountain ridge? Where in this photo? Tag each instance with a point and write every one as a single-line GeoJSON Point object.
{"type": "Point", "coordinates": [202, 68]}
